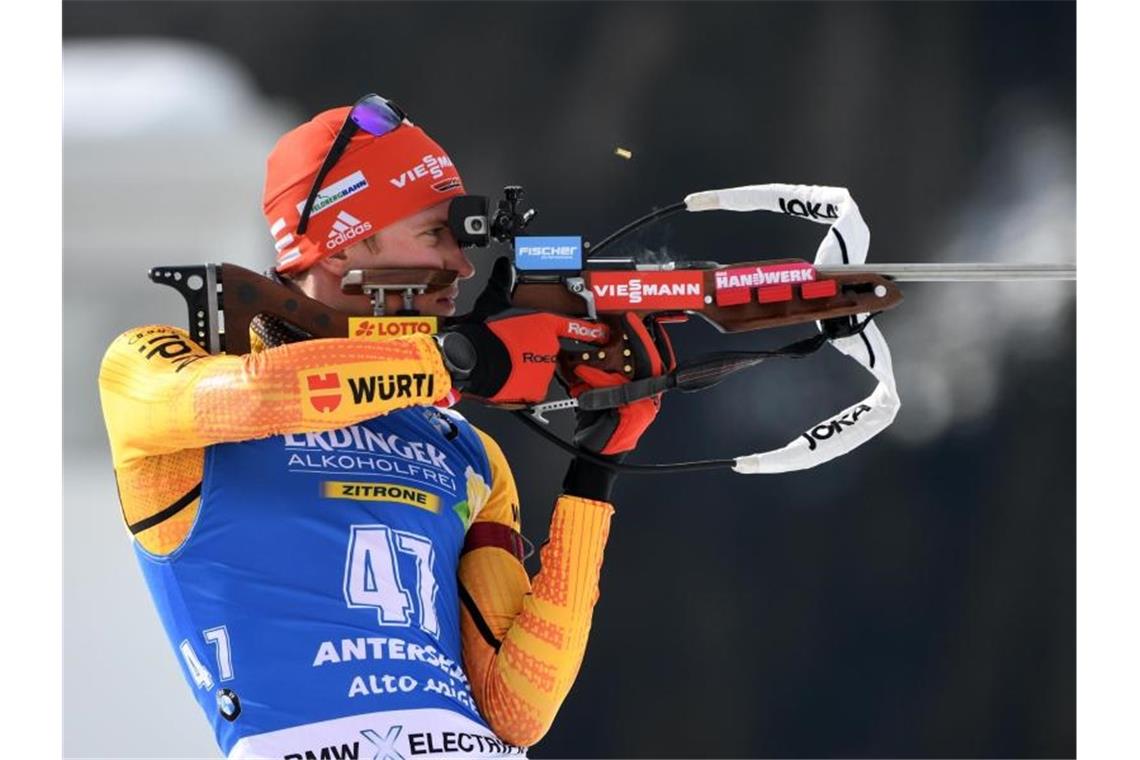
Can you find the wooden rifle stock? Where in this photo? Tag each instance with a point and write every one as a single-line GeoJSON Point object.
{"type": "Point", "coordinates": [241, 294]}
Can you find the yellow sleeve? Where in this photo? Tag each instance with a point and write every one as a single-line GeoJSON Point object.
{"type": "Point", "coordinates": [165, 399]}
{"type": "Point", "coordinates": [523, 643]}
{"type": "Point", "coordinates": [161, 393]}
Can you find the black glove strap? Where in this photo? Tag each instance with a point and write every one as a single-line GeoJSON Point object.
{"type": "Point", "coordinates": [459, 357]}
{"type": "Point", "coordinates": [613, 396]}
{"type": "Point", "coordinates": [492, 361]}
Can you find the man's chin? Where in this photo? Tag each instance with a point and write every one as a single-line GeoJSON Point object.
{"type": "Point", "coordinates": [435, 305]}
{"type": "Point", "coordinates": [443, 307]}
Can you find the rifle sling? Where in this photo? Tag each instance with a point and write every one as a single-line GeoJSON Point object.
{"type": "Point", "coordinates": [695, 374]}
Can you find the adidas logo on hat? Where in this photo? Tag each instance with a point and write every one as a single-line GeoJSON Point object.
{"type": "Point", "coordinates": [346, 227]}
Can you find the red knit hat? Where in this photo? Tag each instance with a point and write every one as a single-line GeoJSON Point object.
{"type": "Point", "coordinates": [378, 181]}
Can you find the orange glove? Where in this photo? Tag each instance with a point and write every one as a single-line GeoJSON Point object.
{"type": "Point", "coordinates": [616, 431]}
{"type": "Point", "coordinates": [516, 355]}
{"type": "Point", "coordinates": [515, 352]}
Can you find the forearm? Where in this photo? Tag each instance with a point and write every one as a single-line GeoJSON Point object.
{"type": "Point", "coordinates": [162, 393]}
{"type": "Point", "coordinates": [525, 652]}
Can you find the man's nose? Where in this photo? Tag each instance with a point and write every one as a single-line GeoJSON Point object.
{"type": "Point", "coordinates": [458, 261]}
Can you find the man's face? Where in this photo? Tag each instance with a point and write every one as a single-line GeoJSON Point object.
{"type": "Point", "coordinates": [420, 241]}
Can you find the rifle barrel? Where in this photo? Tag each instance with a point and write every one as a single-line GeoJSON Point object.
{"type": "Point", "coordinates": [974, 272]}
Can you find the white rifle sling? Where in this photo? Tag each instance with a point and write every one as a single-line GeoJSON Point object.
{"type": "Point", "coordinates": [846, 242]}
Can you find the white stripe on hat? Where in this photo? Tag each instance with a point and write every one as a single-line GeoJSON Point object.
{"type": "Point", "coordinates": [283, 241]}
{"type": "Point", "coordinates": [290, 255]}
{"type": "Point", "coordinates": [344, 216]}
{"type": "Point", "coordinates": [277, 227]}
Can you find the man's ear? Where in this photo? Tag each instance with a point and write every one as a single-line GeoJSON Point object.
{"type": "Point", "coordinates": [336, 264]}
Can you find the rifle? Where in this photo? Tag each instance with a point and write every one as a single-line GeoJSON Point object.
{"type": "Point", "coordinates": [837, 291]}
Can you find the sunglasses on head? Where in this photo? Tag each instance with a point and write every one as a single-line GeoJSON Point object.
{"type": "Point", "coordinates": [373, 114]}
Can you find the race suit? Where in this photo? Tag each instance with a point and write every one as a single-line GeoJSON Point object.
{"type": "Point", "coordinates": [336, 561]}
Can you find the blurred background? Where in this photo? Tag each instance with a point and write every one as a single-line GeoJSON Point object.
{"type": "Point", "coordinates": [916, 598]}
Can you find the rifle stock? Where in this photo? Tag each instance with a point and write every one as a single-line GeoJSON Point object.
{"type": "Point", "coordinates": [856, 293]}
{"type": "Point", "coordinates": [241, 294]}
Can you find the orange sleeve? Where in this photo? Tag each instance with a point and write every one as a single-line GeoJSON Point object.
{"type": "Point", "coordinates": [524, 642]}
{"type": "Point", "coordinates": [161, 393]}
{"type": "Point", "coordinates": [165, 399]}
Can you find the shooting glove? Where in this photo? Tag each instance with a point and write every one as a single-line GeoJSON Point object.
{"type": "Point", "coordinates": [616, 431]}
{"type": "Point", "coordinates": [515, 351]}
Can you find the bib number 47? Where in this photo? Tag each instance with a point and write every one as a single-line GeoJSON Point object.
{"type": "Point", "coordinates": [219, 637]}
{"type": "Point", "coordinates": [372, 576]}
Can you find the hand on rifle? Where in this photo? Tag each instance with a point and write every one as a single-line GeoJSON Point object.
{"type": "Point", "coordinates": [516, 353]}
{"type": "Point", "coordinates": [617, 430]}
{"type": "Point", "coordinates": [614, 432]}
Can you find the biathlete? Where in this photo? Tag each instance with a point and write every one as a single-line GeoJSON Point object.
{"type": "Point", "coordinates": [340, 571]}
